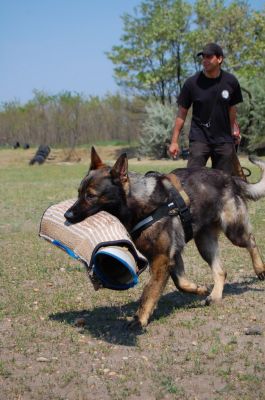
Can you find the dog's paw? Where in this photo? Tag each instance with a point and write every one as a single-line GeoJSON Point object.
{"type": "Point", "coordinates": [210, 300]}
{"type": "Point", "coordinates": [261, 276]}
{"type": "Point", "coordinates": [206, 302]}
{"type": "Point", "coordinates": [203, 290]}
{"type": "Point", "coordinates": [136, 325]}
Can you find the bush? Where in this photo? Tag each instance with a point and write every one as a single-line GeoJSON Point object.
{"type": "Point", "coordinates": [251, 114]}
{"type": "Point", "coordinates": [157, 130]}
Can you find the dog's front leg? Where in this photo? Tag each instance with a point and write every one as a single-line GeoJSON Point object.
{"type": "Point", "coordinates": [152, 291]}
{"type": "Point", "coordinates": [182, 283]}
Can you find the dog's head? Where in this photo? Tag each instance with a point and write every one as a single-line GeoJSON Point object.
{"type": "Point", "coordinates": [103, 188]}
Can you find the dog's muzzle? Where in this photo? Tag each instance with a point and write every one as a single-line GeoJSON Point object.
{"type": "Point", "coordinates": [69, 215]}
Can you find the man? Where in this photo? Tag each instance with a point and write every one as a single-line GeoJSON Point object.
{"type": "Point", "coordinates": [213, 93]}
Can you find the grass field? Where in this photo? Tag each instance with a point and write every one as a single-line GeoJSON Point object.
{"type": "Point", "coordinates": [187, 352]}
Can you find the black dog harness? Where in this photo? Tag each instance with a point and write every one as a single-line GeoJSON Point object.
{"type": "Point", "coordinates": [176, 207]}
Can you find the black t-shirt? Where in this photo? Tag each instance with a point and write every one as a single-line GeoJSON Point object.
{"type": "Point", "coordinates": [211, 99]}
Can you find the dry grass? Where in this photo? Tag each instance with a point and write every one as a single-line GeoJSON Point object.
{"type": "Point", "coordinates": [187, 352]}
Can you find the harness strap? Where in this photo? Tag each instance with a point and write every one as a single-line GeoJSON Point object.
{"type": "Point", "coordinates": [162, 211]}
{"type": "Point", "coordinates": [177, 185]}
{"type": "Point", "coordinates": [178, 206]}
{"type": "Point", "coordinates": [182, 202]}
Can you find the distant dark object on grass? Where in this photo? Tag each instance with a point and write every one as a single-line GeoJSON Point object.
{"type": "Point", "coordinates": [16, 145]}
{"type": "Point", "coordinates": [41, 155]}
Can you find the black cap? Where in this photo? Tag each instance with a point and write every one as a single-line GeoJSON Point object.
{"type": "Point", "coordinates": [211, 49]}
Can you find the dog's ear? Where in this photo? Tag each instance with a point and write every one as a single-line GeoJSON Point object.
{"type": "Point", "coordinates": [120, 169]}
{"type": "Point", "coordinates": [95, 160]}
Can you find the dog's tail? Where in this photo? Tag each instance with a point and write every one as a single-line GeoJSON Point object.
{"type": "Point", "coordinates": [255, 191]}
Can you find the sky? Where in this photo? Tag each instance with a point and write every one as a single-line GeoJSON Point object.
{"type": "Point", "coordinates": [60, 45]}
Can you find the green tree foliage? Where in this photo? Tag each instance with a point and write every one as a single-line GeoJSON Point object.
{"type": "Point", "coordinates": [151, 58]}
{"type": "Point", "coordinates": [161, 39]}
{"type": "Point", "coordinates": [253, 59]}
{"type": "Point", "coordinates": [237, 28]}
{"type": "Point", "coordinates": [159, 46]}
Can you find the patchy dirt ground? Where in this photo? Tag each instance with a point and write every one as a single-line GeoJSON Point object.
{"type": "Point", "coordinates": [187, 351]}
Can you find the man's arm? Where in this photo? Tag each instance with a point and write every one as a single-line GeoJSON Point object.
{"type": "Point", "coordinates": [180, 120]}
{"type": "Point", "coordinates": [234, 127]}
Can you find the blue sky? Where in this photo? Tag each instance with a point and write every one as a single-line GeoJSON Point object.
{"type": "Point", "coordinates": [56, 45]}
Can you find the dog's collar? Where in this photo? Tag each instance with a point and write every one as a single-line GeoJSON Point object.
{"type": "Point", "coordinates": [177, 207]}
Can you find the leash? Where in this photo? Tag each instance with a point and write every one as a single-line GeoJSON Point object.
{"type": "Point", "coordinates": [178, 206]}
{"type": "Point", "coordinates": [238, 170]}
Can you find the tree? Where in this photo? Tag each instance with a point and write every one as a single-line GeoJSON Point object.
{"type": "Point", "coordinates": [11, 126]}
{"type": "Point", "coordinates": [253, 59]}
{"type": "Point", "coordinates": [69, 119]}
{"type": "Point", "coordinates": [160, 42]}
{"type": "Point", "coordinates": [151, 58]}
{"type": "Point", "coordinates": [238, 29]}
{"type": "Point", "coordinates": [41, 103]}
{"type": "Point", "coordinates": [69, 106]}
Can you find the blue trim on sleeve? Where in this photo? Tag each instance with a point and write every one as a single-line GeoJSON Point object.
{"type": "Point", "coordinates": [65, 248]}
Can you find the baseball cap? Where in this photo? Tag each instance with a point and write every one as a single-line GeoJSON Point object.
{"type": "Point", "coordinates": [211, 49]}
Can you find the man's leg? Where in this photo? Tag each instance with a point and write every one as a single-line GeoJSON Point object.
{"type": "Point", "coordinates": [198, 154]}
{"type": "Point", "coordinates": [222, 157]}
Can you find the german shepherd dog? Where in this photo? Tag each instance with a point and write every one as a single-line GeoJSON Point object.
{"type": "Point", "coordinates": [217, 203]}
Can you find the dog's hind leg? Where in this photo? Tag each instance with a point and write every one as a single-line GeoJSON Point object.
{"type": "Point", "coordinates": [152, 291]}
{"type": "Point", "coordinates": [207, 244]}
{"type": "Point", "coordinates": [258, 264]}
{"type": "Point", "coordinates": [240, 235]}
{"type": "Point", "coordinates": [237, 228]}
{"type": "Point", "coordinates": [182, 283]}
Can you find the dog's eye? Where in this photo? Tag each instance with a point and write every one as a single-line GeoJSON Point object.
{"type": "Point", "coordinates": [89, 196]}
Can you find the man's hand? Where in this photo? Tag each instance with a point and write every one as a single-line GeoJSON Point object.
{"type": "Point", "coordinates": [174, 150]}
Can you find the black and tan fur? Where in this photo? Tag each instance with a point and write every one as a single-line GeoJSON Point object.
{"type": "Point", "coordinates": [217, 203]}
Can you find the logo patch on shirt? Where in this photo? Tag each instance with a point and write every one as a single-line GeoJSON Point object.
{"type": "Point", "coordinates": [225, 94]}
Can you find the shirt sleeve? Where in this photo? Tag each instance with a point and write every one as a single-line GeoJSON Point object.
{"type": "Point", "coordinates": [185, 99]}
{"type": "Point", "coordinates": [236, 95]}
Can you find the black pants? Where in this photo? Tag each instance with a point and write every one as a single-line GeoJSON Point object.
{"type": "Point", "coordinates": [221, 155]}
